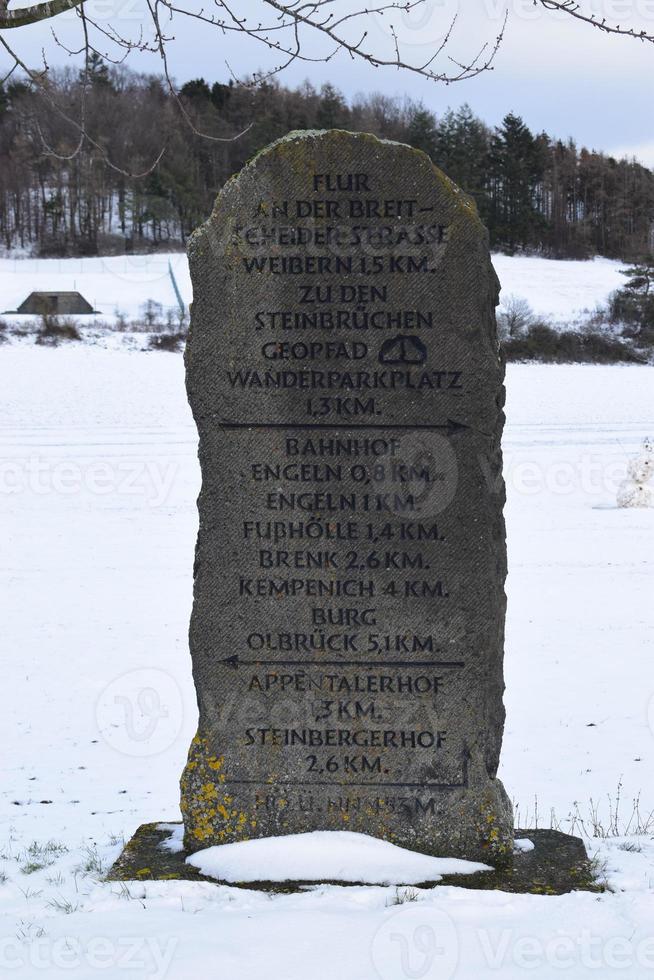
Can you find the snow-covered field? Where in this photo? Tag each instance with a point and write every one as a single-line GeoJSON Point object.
{"type": "Point", "coordinates": [560, 290]}
{"type": "Point", "coordinates": [99, 476]}
{"type": "Point", "coordinates": [112, 285]}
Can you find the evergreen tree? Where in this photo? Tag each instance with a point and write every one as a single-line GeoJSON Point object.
{"type": "Point", "coordinates": [333, 112]}
{"type": "Point", "coordinates": [516, 168]}
{"type": "Point", "coordinates": [221, 94]}
{"type": "Point", "coordinates": [196, 90]}
{"type": "Point", "coordinates": [97, 71]}
{"type": "Point", "coordinates": [461, 150]}
{"type": "Point", "coordinates": [423, 130]}
{"type": "Point", "coordinates": [633, 303]}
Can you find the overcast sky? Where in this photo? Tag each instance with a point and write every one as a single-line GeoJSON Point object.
{"type": "Point", "coordinates": [559, 75]}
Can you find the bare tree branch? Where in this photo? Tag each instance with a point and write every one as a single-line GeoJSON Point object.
{"type": "Point", "coordinates": [23, 16]}
{"type": "Point", "coordinates": [572, 8]}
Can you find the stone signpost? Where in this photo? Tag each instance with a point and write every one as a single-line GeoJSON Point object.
{"type": "Point", "coordinates": [347, 630]}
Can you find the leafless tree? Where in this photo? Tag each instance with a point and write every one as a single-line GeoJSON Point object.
{"type": "Point", "coordinates": [306, 31]}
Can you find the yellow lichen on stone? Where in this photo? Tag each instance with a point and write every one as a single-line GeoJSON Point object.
{"type": "Point", "coordinates": [210, 816]}
{"type": "Point", "coordinates": [497, 843]}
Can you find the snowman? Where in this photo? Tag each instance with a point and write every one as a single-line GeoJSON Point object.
{"type": "Point", "coordinates": [638, 489]}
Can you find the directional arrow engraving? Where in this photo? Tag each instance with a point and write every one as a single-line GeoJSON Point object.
{"type": "Point", "coordinates": [235, 661]}
{"type": "Point", "coordinates": [450, 426]}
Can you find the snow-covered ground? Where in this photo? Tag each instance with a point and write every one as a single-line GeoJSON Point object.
{"type": "Point", "coordinates": [98, 474]}
{"type": "Point", "coordinates": [560, 290]}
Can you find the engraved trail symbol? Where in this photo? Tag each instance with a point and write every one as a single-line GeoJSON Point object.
{"type": "Point", "coordinates": [403, 350]}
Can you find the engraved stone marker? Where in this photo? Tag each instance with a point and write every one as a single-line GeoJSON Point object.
{"type": "Point", "coordinates": [347, 629]}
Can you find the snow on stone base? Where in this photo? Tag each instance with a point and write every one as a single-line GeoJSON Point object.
{"type": "Point", "coordinates": [325, 855]}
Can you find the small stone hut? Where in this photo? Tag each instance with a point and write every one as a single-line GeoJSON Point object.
{"type": "Point", "coordinates": [55, 304]}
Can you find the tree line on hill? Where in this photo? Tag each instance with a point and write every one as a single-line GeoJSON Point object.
{"type": "Point", "coordinates": [62, 195]}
